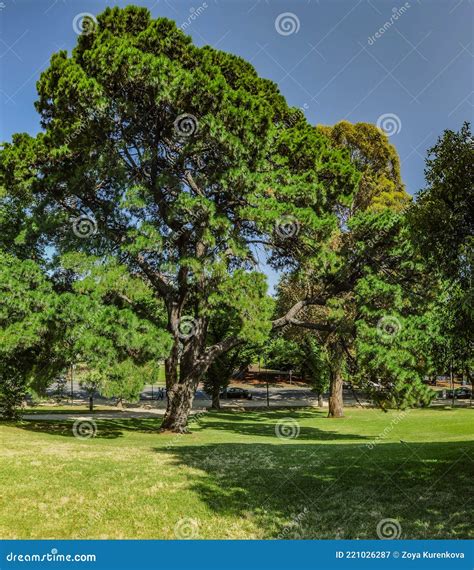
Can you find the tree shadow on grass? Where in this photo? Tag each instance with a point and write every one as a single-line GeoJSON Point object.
{"type": "Point", "coordinates": [448, 408]}
{"type": "Point", "coordinates": [100, 428]}
{"type": "Point", "coordinates": [336, 491]}
{"type": "Point", "coordinates": [243, 423]}
{"type": "Point", "coordinates": [285, 424]}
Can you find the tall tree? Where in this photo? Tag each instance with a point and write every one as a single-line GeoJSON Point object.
{"type": "Point", "coordinates": [28, 331]}
{"type": "Point", "coordinates": [366, 283]}
{"type": "Point", "coordinates": [442, 224]}
{"type": "Point", "coordinates": [175, 161]}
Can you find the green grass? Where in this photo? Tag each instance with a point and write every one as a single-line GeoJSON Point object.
{"type": "Point", "coordinates": [233, 478]}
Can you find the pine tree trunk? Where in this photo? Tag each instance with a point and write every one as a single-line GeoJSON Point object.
{"type": "Point", "coordinates": [336, 404]}
{"type": "Point", "coordinates": [179, 405]}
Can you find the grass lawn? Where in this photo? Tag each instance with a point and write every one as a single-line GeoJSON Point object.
{"type": "Point", "coordinates": [233, 478]}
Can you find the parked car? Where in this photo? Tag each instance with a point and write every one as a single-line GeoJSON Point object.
{"type": "Point", "coordinates": [238, 393]}
{"type": "Point", "coordinates": [448, 394]}
{"type": "Point", "coordinates": [463, 393]}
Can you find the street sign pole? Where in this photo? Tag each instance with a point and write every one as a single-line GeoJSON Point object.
{"type": "Point", "coordinates": [268, 395]}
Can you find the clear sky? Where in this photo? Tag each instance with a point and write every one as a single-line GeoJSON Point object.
{"type": "Point", "coordinates": [415, 78]}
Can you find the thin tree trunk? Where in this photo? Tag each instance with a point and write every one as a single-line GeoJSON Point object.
{"type": "Point", "coordinates": [471, 380]}
{"type": "Point", "coordinates": [216, 403]}
{"type": "Point", "coordinates": [452, 383]}
{"type": "Point", "coordinates": [320, 401]}
{"type": "Point", "coordinates": [336, 404]}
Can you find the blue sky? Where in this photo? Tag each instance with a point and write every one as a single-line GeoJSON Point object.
{"type": "Point", "coordinates": [415, 78]}
{"type": "Point", "coordinates": [419, 69]}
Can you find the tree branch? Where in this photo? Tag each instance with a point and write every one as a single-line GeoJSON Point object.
{"type": "Point", "coordinates": [221, 347]}
{"type": "Point", "coordinates": [190, 180]}
{"type": "Point", "coordinates": [315, 326]}
{"type": "Point", "coordinates": [295, 309]}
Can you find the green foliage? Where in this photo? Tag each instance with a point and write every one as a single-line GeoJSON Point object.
{"type": "Point", "coordinates": [373, 290]}
{"type": "Point", "coordinates": [241, 300]}
{"type": "Point", "coordinates": [125, 380]}
{"type": "Point", "coordinates": [391, 298]}
{"type": "Point", "coordinates": [370, 151]}
{"type": "Point", "coordinates": [442, 219]}
{"type": "Point", "coordinates": [92, 382]}
{"type": "Point", "coordinates": [223, 324]}
{"type": "Point", "coordinates": [28, 328]}
{"type": "Point", "coordinates": [315, 365]}
{"type": "Point", "coordinates": [302, 353]}
{"type": "Point", "coordinates": [283, 354]}
{"type": "Point", "coordinates": [162, 172]}
{"type": "Point", "coordinates": [443, 229]}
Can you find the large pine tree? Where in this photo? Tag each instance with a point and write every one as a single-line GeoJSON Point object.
{"type": "Point", "coordinates": [174, 163]}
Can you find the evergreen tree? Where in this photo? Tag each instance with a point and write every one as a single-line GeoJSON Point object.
{"type": "Point", "coordinates": [442, 224]}
{"type": "Point", "coordinates": [28, 326]}
{"type": "Point", "coordinates": [173, 162]}
{"type": "Point", "coordinates": [367, 283]}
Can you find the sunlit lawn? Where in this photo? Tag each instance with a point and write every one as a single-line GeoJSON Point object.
{"type": "Point", "coordinates": [233, 478]}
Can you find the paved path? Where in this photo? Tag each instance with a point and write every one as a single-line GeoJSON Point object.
{"type": "Point", "coordinates": [293, 398]}
{"type": "Point", "coordinates": [153, 412]}
{"type": "Point", "coordinates": [127, 413]}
